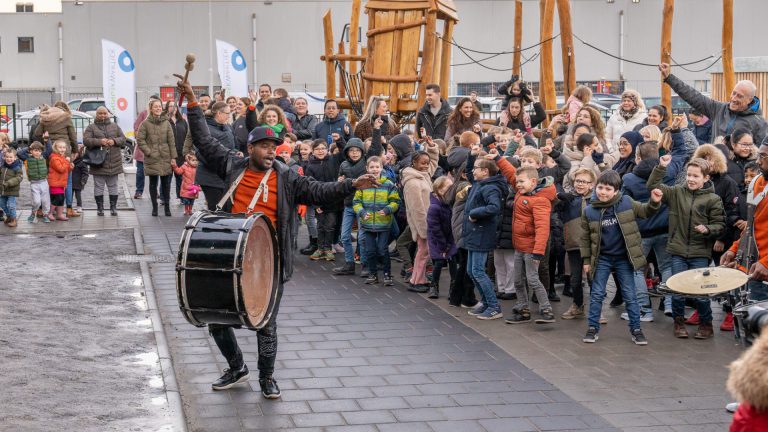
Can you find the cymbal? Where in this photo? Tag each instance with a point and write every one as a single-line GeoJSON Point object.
{"type": "Point", "coordinates": [707, 281]}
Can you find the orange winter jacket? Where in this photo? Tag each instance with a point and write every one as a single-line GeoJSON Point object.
{"type": "Point", "coordinates": [58, 171]}
{"type": "Point", "coordinates": [530, 220]}
{"type": "Point", "coordinates": [760, 225]}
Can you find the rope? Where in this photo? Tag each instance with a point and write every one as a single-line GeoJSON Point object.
{"type": "Point", "coordinates": [682, 65]}
{"type": "Point", "coordinates": [675, 63]}
{"type": "Point", "coordinates": [453, 42]}
{"type": "Point", "coordinates": [353, 86]}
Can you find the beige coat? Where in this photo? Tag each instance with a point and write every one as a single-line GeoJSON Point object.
{"type": "Point", "coordinates": [156, 141]}
{"type": "Point", "coordinates": [417, 186]}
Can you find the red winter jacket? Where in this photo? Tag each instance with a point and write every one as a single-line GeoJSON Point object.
{"type": "Point", "coordinates": [748, 419]}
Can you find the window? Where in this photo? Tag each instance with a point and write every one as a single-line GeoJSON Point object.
{"type": "Point", "coordinates": [25, 7]}
{"type": "Point", "coordinates": [26, 44]}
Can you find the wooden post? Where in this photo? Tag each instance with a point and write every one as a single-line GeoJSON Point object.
{"type": "Point", "coordinates": [445, 67]}
{"type": "Point", "coordinates": [354, 31]}
{"type": "Point", "coordinates": [425, 74]}
{"type": "Point", "coordinates": [729, 75]}
{"type": "Point", "coordinates": [518, 37]}
{"type": "Point", "coordinates": [330, 74]}
{"type": "Point", "coordinates": [666, 49]}
{"type": "Point", "coordinates": [566, 45]}
{"type": "Point", "coordinates": [343, 64]}
{"type": "Point", "coordinates": [547, 94]}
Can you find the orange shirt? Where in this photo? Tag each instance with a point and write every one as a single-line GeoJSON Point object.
{"type": "Point", "coordinates": [247, 188]}
{"type": "Point", "coordinates": [760, 224]}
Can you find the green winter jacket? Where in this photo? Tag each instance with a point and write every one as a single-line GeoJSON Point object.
{"type": "Point", "coordinates": [372, 200]}
{"type": "Point", "coordinates": [627, 211]}
{"type": "Point", "coordinates": [37, 169]}
{"type": "Point", "coordinates": [688, 209]}
{"type": "Point", "coordinates": [10, 178]}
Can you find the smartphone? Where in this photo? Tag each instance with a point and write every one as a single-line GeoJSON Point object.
{"type": "Point", "coordinates": [384, 118]}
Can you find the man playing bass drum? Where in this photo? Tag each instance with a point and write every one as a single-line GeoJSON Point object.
{"type": "Point", "coordinates": [290, 190]}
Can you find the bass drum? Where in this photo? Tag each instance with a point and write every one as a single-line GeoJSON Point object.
{"type": "Point", "coordinates": [228, 269]}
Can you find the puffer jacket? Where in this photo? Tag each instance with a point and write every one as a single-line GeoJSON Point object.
{"type": "Point", "coordinates": [439, 235]}
{"type": "Point", "coordinates": [369, 202]}
{"type": "Point", "coordinates": [688, 209]}
{"type": "Point", "coordinates": [58, 171]}
{"type": "Point", "coordinates": [80, 174]}
{"type": "Point", "coordinates": [37, 169]}
{"type": "Point", "coordinates": [724, 121]}
{"type": "Point", "coordinates": [531, 218]}
{"type": "Point", "coordinates": [240, 131]}
{"type": "Point", "coordinates": [434, 125]}
{"type": "Point", "coordinates": [58, 123]}
{"type": "Point", "coordinates": [292, 188]}
{"type": "Point", "coordinates": [304, 127]}
{"type": "Point", "coordinates": [155, 138]}
{"type": "Point", "coordinates": [180, 131]}
{"type": "Point", "coordinates": [456, 198]}
{"type": "Point", "coordinates": [483, 207]}
{"type": "Point", "coordinates": [10, 178]}
{"type": "Point", "coordinates": [224, 136]}
{"type": "Point", "coordinates": [627, 211]}
{"type": "Point", "coordinates": [94, 133]}
{"type": "Point", "coordinates": [187, 173]}
{"type": "Point", "coordinates": [504, 234]}
{"type": "Point", "coordinates": [570, 208]}
{"type": "Point", "coordinates": [617, 125]}
{"type": "Point", "coordinates": [353, 169]}
{"type": "Point", "coordinates": [417, 185]}
{"type": "Point", "coordinates": [331, 126]}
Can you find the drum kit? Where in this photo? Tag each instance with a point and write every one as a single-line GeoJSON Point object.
{"type": "Point", "coordinates": [715, 282]}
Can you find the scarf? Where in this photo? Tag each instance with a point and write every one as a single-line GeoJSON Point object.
{"type": "Point", "coordinates": [277, 129]}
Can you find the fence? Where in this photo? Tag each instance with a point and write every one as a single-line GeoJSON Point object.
{"type": "Point", "coordinates": [27, 99]}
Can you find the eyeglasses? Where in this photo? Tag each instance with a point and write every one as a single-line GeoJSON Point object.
{"type": "Point", "coordinates": [745, 144]}
{"type": "Point", "coordinates": [624, 143]}
{"type": "Point", "coordinates": [582, 182]}
{"type": "Point", "coordinates": [762, 156]}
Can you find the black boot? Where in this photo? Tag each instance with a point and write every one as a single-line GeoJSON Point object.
{"type": "Point", "coordinates": [112, 205]}
{"type": "Point", "coordinates": [567, 287]}
{"type": "Point", "coordinates": [311, 247]}
{"type": "Point", "coordinates": [167, 209]}
{"type": "Point", "coordinates": [99, 205]}
{"type": "Point", "coordinates": [346, 270]}
{"type": "Point", "coordinates": [154, 208]}
{"type": "Point", "coordinates": [434, 290]}
{"type": "Point", "coordinates": [552, 295]}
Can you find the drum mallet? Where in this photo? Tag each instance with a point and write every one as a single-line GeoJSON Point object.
{"type": "Point", "coordinates": [187, 67]}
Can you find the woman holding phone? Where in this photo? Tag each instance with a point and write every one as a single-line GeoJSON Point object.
{"type": "Point", "coordinates": [377, 108]}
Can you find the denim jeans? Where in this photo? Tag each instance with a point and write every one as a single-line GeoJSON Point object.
{"type": "Point", "coordinates": [8, 204]}
{"type": "Point", "coordinates": [311, 222]}
{"type": "Point", "coordinates": [476, 266]}
{"type": "Point", "coordinates": [658, 244]}
{"type": "Point", "coordinates": [376, 249]}
{"type": "Point", "coordinates": [527, 272]}
{"type": "Point", "coordinates": [348, 220]}
{"type": "Point", "coordinates": [624, 272]}
{"type": "Point", "coordinates": [68, 191]}
{"type": "Point", "coordinates": [139, 177]}
{"type": "Point", "coordinates": [681, 264]}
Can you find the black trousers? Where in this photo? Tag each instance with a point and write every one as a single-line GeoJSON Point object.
{"type": "Point", "coordinates": [577, 278]}
{"type": "Point", "coordinates": [165, 187]}
{"type": "Point", "coordinates": [212, 196]}
{"type": "Point", "coordinates": [266, 338]}
{"type": "Point", "coordinates": [462, 290]}
{"type": "Point", "coordinates": [326, 227]}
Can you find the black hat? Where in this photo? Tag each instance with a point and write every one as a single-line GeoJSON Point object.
{"type": "Point", "coordinates": [263, 133]}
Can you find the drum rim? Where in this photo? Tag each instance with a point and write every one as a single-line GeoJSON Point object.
{"type": "Point", "coordinates": [181, 274]}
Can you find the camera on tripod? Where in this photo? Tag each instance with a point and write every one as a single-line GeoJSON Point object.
{"type": "Point", "coordinates": [754, 320]}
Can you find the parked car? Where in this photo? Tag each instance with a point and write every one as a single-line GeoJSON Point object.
{"type": "Point", "coordinates": [489, 104]}
{"type": "Point", "coordinates": [74, 104]}
{"type": "Point", "coordinates": [679, 106]}
{"type": "Point", "coordinates": [90, 105]}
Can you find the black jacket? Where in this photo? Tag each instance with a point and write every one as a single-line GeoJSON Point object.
{"type": "Point", "coordinates": [292, 189]}
{"type": "Point", "coordinates": [223, 135]}
{"type": "Point", "coordinates": [326, 170]}
{"type": "Point", "coordinates": [728, 191]}
{"type": "Point", "coordinates": [538, 116]}
{"type": "Point", "coordinates": [180, 128]}
{"type": "Point", "coordinates": [435, 125]}
{"type": "Point", "coordinates": [304, 127]}
{"type": "Point", "coordinates": [240, 130]}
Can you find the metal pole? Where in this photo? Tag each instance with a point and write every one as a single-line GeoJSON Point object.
{"type": "Point", "coordinates": [210, 49]}
{"type": "Point", "coordinates": [61, 61]}
{"type": "Point", "coordinates": [621, 45]}
{"type": "Point", "coordinates": [255, 71]}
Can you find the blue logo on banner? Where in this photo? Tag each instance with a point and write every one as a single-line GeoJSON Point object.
{"type": "Point", "coordinates": [126, 62]}
{"type": "Point", "coordinates": [238, 61]}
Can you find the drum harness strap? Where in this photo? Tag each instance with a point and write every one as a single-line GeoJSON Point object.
{"type": "Point", "coordinates": [263, 188]}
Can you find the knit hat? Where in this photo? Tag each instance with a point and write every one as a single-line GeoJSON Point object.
{"type": "Point", "coordinates": [634, 138]}
{"type": "Point", "coordinates": [283, 148]}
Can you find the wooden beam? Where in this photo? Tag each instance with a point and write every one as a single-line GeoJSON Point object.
{"type": "Point", "coordinates": [729, 75]}
{"type": "Point", "coordinates": [547, 94]}
{"type": "Point", "coordinates": [354, 32]}
{"type": "Point", "coordinates": [343, 64]}
{"type": "Point", "coordinates": [518, 37]}
{"type": "Point", "coordinates": [345, 57]}
{"type": "Point", "coordinates": [566, 45]}
{"type": "Point", "coordinates": [401, 26]}
{"type": "Point", "coordinates": [445, 67]}
{"type": "Point", "coordinates": [666, 49]}
{"type": "Point", "coordinates": [397, 58]}
{"type": "Point", "coordinates": [368, 50]}
{"type": "Point", "coordinates": [391, 78]}
{"type": "Point", "coordinates": [330, 74]}
{"type": "Point", "coordinates": [425, 74]}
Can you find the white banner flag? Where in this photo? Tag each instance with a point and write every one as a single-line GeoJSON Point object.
{"type": "Point", "coordinates": [119, 82]}
{"type": "Point", "coordinates": [233, 69]}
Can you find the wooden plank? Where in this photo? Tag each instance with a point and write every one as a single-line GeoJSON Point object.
{"type": "Point", "coordinates": [330, 73]}
{"type": "Point", "coordinates": [729, 76]}
{"type": "Point", "coordinates": [445, 66]}
{"type": "Point", "coordinates": [518, 37]}
{"type": "Point", "coordinates": [376, 78]}
{"type": "Point", "coordinates": [426, 72]}
{"type": "Point", "coordinates": [343, 64]}
{"type": "Point", "coordinates": [547, 93]}
{"type": "Point", "coordinates": [354, 33]}
{"type": "Point", "coordinates": [382, 55]}
{"type": "Point", "coordinates": [410, 57]}
{"type": "Point", "coordinates": [399, 26]}
{"type": "Point", "coordinates": [397, 54]}
{"type": "Point", "coordinates": [666, 48]}
{"type": "Point", "coordinates": [566, 45]}
{"type": "Point", "coordinates": [369, 63]}
{"type": "Point", "coordinates": [345, 57]}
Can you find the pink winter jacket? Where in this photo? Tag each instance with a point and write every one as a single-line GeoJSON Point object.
{"type": "Point", "coordinates": [187, 173]}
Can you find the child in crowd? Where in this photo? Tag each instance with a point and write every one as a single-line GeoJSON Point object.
{"type": "Point", "coordinates": [10, 181]}
{"type": "Point", "coordinates": [189, 190]}
{"type": "Point", "coordinates": [324, 167]}
{"type": "Point", "coordinates": [696, 221]}
{"type": "Point", "coordinates": [79, 177]}
{"type": "Point", "coordinates": [305, 152]}
{"type": "Point", "coordinates": [481, 215]}
{"type": "Point", "coordinates": [442, 247]}
{"type": "Point", "coordinates": [59, 169]}
{"type": "Point", "coordinates": [375, 209]}
{"type": "Point", "coordinates": [610, 242]}
{"type": "Point", "coordinates": [36, 159]}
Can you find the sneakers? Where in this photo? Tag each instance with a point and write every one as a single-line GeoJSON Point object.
{"type": "Point", "coordinates": [519, 316]}
{"type": "Point", "coordinates": [491, 314]}
{"type": "Point", "coordinates": [31, 218]}
{"type": "Point", "coordinates": [477, 310]}
{"type": "Point", "coordinates": [547, 317]}
{"type": "Point", "coordinates": [346, 270]}
{"type": "Point", "coordinates": [317, 255]}
{"type": "Point", "coordinates": [732, 407]}
{"type": "Point", "coordinates": [506, 296]}
{"type": "Point", "coordinates": [329, 256]}
{"type": "Point", "coordinates": [727, 324]}
{"type": "Point", "coordinates": [573, 312]}
{"type": "Point", "coordinates": [46, 219]}
{"type": "Point", "coordinates": [230, 378]}
{"type": "Point", "coordinates": [638, 337]}
{"type": "Point", "coordinates": [591, 336]}
{"type": "Point", "coordinates": [269, 388]}
{"type": "Point", "coordinates": [693, 319]}
{"type": "Point", "coordinates": [603, 319]}
{"type": "Point", "coordinates": [337, 248]}
{"type": "Point", "coordinates": [388, 281]}
{"type": "Point", "coordinates": [418, 288]}
{"type": "Point", "coordinates": [372, 279]}
{"type": "Point", "coordinates": [644, 316]}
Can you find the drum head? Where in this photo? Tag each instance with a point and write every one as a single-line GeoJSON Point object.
{"type": "Point", "coordinates": [259, 278]}
{"type": "Point", "coordinates": [706, 281]}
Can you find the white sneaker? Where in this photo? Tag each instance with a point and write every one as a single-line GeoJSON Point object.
{"type": "Point", "coordinates": [732, 407]}
{"type": "Point", "coordinates": [337, 248]}
{"type": "Point", "coordinates": [644, 316]}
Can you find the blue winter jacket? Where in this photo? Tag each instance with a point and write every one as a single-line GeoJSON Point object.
{"type": "Point", "coordinates": [484, 206]}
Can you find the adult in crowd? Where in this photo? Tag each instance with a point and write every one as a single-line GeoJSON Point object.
{"type": "Point", "coordinates": [432, 118]}
{"type": "Point", "coordinates": [742, 111]}
{"type": "Point", "coordinates": [305, 122]}
{"type": "Point", "coordinates": [180, 128]}
{"type": "Point", "coordinates": [334, 125]}
{"type": "Point", "coordinates": [473, 98]}
{"type": "Point", "coordinates": [657, 116]}
{"type": "Point", "coordinates": [627, 145]}
{"type": "Point", "coordinates": [290, 189]}
{"type": "Point", "coordinates": [217, 121]}
{"type": "Point", "coordinates": [464, 118]}
{"type": "Point", "coordinates": [156, 140]}
{"type": "Point", "coordinates": [377, 109]}
{"type": "Point", "coordinates": [265, 94]}
{"type": "Point", "coordinates": [239, 128]}
{"type": "Point", "coordinates": [57, 121]}
{"type": "Point", "coordinates": [702, 126]}
{"type": "Point", "coordinates": [273, 117]}
{"type": "Point", "coordinates": [138, 155]}
{"type": "Point", "coordinates": [108, 136]}
{"type": "Point", "coordinates": [204, 101]}
{"type": "Point", "coordinates": [515, 117]}
{"type": "Point", "coordinates": [232, 102]}
{"type": "Point", "coordinates": [631, 113]}
{"type": "Point", "coordinates": [744, 151]}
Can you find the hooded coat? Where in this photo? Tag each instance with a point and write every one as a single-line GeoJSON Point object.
{"type": "Point", "coordinates": [58, 171]}
{"type": "Point", "coordinates": [156, 140]}
{"type": "Point", "coordinates": [331, 126]}
{"type": "Point", "coordinates": [58, 123]}
{"type": "Point", "coordinates": [725, 187]}
{"type": "Point", "coordinates": [531, 218]}
{"type": "Point", "coordinates": [369, 202]}
{"type": "Point", "coordinates": [10, 178]}
{"type": "Point", "coordinates": [434, 125]}
{"type": "Point", "coordinates": [483, 210]}
{"type": "Point", "coordinates": [417, 186]}
{"type": "Point", "coordinates": [353, 169]}
{"type": "Point", "coordinates": [439, 233]}
{"type": "Point", "coordinates": [94, 133]}
{"type": "Point", "coordinates": [456, 198]}
{"type": "Point", "coordinates": [401, 143]}
{"type": "Point", "coordinates": [724, 121]}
